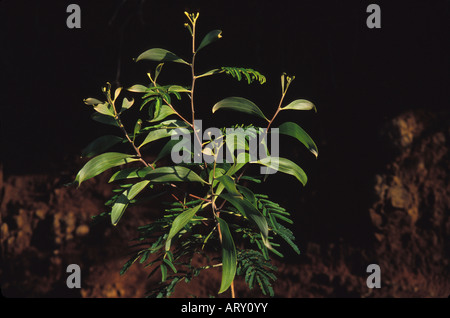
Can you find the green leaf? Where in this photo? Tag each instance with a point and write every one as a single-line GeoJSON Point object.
{"type": "Point", "coordinates": [137, 88]}
{"type": "Point", "coordinates": [164, 112]}
{"type": "Point", "coordinates": [229, 258]}
{"type": "Point", "coordinates": [158, 70]}
{"type": "Point", "coordinates": [286, 166]}
{"type": "Point", "coordinates": [155, 135]}
{"type": "Point", "coordinates": [100, 145]}
{"type": "Point", "coordinates": [163, 272]}
{"type": "Point", "coordinates": [160, 55]}
{"type": "Point", "coordinates": [229, 185]}
{"type": "Point", "coordinates": [300, 104]}
{"type": "Point", "coordinates": [179, 223]}
{"type": "Point", "coordinates": [178, 89]}
{"type": "Point", "coordinates": [170, 264]}
{"type": "Point", "coordinates": [242, 159]}
{"type": "Point", "coordinates": [239, 104]}
{"type": "Point", "coordinates": [211, 72]}
{"type": "Point", "coordinates": [209, 38]}
{"type": "Point", "coordinates": [108, 120]}
{"type": "Point", "coordinates": [137, 128]}
{"type": "Point", "coordinates": [294, 130]}
{"type": "Point", "coordinates": [171, 174]}
{"type": "Point", "coordinates": [247, 193]}
{"type": "Point", "coordinates": [126, 104]}
{"type": "Point", "coordinates": [104, 109]}
{"type": "Point", "coordinates": [92, 101]}
{"type": "Point", "coordinates": [124, 199]}
{"type": "Point", "coordinates": [101, 163]}
{"type": "Point", "coordinates": [250, 212]}
{"type": "Point", "coordinates": [167, 149]}
{"type": "Point", "coordinates": [159, 175]}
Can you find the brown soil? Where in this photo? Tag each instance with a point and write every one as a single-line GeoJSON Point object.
{"type": "Point", "coordinates": [46, 226]}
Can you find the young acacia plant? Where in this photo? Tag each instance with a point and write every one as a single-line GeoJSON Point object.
{"type": "Point", "coordinates": [210, 207]}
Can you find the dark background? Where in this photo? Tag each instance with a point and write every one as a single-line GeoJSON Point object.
{"type": "Point", "coordinates": [357, 77]}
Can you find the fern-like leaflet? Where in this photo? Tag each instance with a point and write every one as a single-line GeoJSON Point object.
{"type": "Point", "coordinates": [250, 74]}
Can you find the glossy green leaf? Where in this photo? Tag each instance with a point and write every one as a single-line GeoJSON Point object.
{"type": "Point", "coordinates": [168, 148]}
{"type": "Point", "coordinates": [163, 272]}
{"type": "Point", "coordinates": [126, 104]}
{"type": "Point", "coordinates": [247, 193]}
{"type": "Point", "coordinates": [124, 199]}
{"type": "Point", "coordinates": [209, 38]}
{"type": "Point", "coordinates": [160, 55]}
{"type": "Point", "coordinates": [100, 145]}
{"type": "Point", "coordinates": [159, 175]}
{"type": "Point", "coordinates": [250, 212]}
{"type": "Point", "coordinates": [229, 185]}
{"type": "Point", "coordinates": [117, 93]}
{"type": "Point", "coordinates": [164, 112]}
{"type": "Point", "coordinates": [158, 70]}
{"type": "Point", "coordinates": [300, 104]}
{"type": "Point", "coordinates": [178, 89]}
{"type": "Point", "coordinates": [108, 120]}
{"type": "Point", "coordinates": [171, 174]}
{"type": "Point", "coordinates": [211, 72]}
{"type": "Point", "coordinates": [170, 264]}
{"type": "Point", "coordinates": [92, 101]}
{"type": "Point", "coordinates": [286, 166]}
{"type": "Point", "coordinates": [104, 109]}
{"type": "Point", "coordinates": [137, 128]}
{"type": "Point", "coordinates": [156, 135]}
{"type": "Point", "coordinates": [179, 223]}
{"type": "Point", "coordinates": [229, 256]}
{"type": "Point", "coordinates": [242, 159]}
{"type": "Point", "coordinates": [101, 163]}
{"type": "Point", "coordinates": [239, 104]}
{"type": "Point", "coordinates": [138, 88]}
{"type": "Point", "coordinates": [294, 130]}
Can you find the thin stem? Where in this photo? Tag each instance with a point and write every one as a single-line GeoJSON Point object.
{"type": "Point", "coordinates": [194, 53]}
{"type": "Point", "coordinates": [197, 197]}
{"type": "Point", "coordinates": [233, 295]}
{"type": "Point", "coordinates": [119, 122]}
{"type": "Point", "coordinates": [278, 110]}
{"type": "Point", "coordinates": [170, 105]}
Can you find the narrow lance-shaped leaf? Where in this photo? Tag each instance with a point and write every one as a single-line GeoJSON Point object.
{"type": "Point", "coordinates": [155, 135]}
{"type": "Point", "coordinates": [250, 212]}
{"type": "Point", "coordinates": [294, 130]}
{"type": "Point", "coordinates": [167, 149]}
{"type": "Point", "coordinates": [229, 184]}
{"type": "Point", "coordinates": [138, 88]}
{"type": "Point", "coordinates": [229, 258]}
{"type": "Point", "coordinates": [101, 163]}
{"type": "Point", "coordinates": [107, 120]}
{"type": "Point", "coordinates": [137, 128]}
{"type": "Point", "coordinates": [100, 145]}
{"type": "Point", "coordinates": [158, 70]}
{"type": "Point", "coordinates": [92, 101]}
{"type": "Point", "coordinates": [300, 104]}
{"type": "Point", "coordinates": [124, 199]}
{"type": "Point", "coordinates": [241, 105]}
{"type": "Point", "coordinates": [284, 165]}
{"type": "Point", "coordinates": [164, 112]}
{"type": "Point", "coordinates": [159, 175]}
{"type": "Point", "coordinates": [209, 38]}
{"type": "Point", "coordinates": [160, 55]}
{"type": "Point", "coordinates": [179, 223]}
